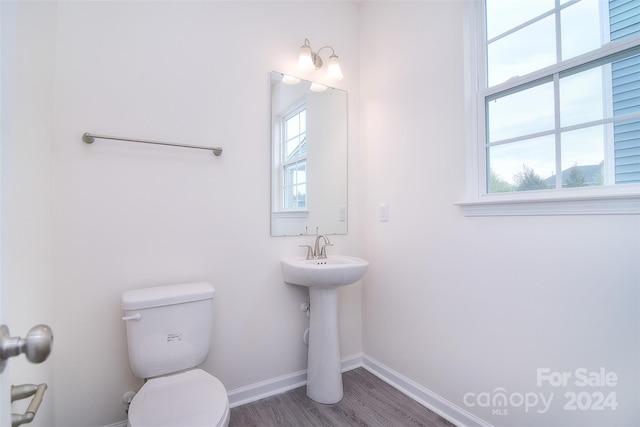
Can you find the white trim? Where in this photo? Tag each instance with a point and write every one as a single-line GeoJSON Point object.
{"type": "Point", "coordinates": [273, 386]}
{"type": "Point", "coordinates": [577, 201]}
{"type": "Point", "coordinates": [290, 214]}
{"type": "Point", "coordinates": [611, 48]}
{"type": "Point", "coordinates": [423, 395]}
{"type": "Point", "coordinates": [474, 60]}
{"type": "Point", "coordinates": [266, 388]}
{"type": "Point", "coordinates": [352, 362]}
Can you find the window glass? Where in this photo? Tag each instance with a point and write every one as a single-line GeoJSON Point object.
{"type": "Point", "coordinates": [521, 113]}
{"type": "Point", "coordinates": [503, 15]}
{"type": "Point", "coordinates": [295, 179]}
{"type": "Point", "coordinates": [578, 105]}
{"type": "Point", "coordinates": [295, 136]}
{"type": "Point", "coordinates": [583, 154]}
{"type": "Point", "coordinates": [523, 165]}
{"type": "Point", "coordinates": [522, 52]}
{"type": "Point", "coordinates": [294, 160]}
{"type": "Point", "coordinates": [582, 28]}
{"type": "Point", "coordinates": [574, 123]}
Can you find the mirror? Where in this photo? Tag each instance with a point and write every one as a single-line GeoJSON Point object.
{"type": "Point", "coordinates": [308, 158]}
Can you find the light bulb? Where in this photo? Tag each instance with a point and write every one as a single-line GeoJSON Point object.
{"type": "Point", "coordinates": [317, 87]}
{"type": "Point", "coordinates": [290, 80]}
{"type": "Point", "coordinates": [305, 61]}
{"type": "Point", "coordinates": [333, 69]}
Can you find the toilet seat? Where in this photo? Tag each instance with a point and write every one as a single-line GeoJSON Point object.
{"type": "Point", "coordinates": [191, 398]}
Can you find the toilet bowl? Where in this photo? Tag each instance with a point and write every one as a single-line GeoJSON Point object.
{"type": "Point", "coordinates": [169, 335]}
{"type": "Point", "coordinates": [188, 399]}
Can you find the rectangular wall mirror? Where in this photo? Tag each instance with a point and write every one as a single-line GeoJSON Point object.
{"type": "Point", "coordinates": [308, 158]}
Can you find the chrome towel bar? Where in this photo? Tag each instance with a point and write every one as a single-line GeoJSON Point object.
{"type": "Point", "coordinates": [90, 137]}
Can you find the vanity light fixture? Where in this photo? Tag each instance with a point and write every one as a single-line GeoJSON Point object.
{"type": "Point", "coordinates": [310, 60]}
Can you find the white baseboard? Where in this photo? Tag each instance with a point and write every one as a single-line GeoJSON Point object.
{"type": "Point", "coordinates": [423, 395]}
{"type": "Point", "coordinates": [271, 387]}
{"type": "Point", "coordinates": [420, 394]}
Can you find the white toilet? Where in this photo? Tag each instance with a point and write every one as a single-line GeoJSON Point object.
{"type": "Point", "coordinates": [169, 334]}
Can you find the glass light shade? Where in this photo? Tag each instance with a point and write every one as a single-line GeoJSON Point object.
{"type": "Point", "coordinates": [290, 80]}
{"type": "Point", "coordinates": [333, 70]}
{"type": "Point", "coordinates": [317, 87]}
{"type": "Point", "coordinates": [305, 61]}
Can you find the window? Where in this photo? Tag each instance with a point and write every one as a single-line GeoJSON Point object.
{"type": "Point", "coordinates": [557, 99]}
{"type": "Point", "coordinates": [294, 159]}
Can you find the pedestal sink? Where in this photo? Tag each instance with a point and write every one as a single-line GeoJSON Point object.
{"type": "Point", "coordinates": [323, 277]}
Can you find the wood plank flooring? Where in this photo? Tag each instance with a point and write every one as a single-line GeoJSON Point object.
{"type": "Point", "coordinates": [368, 401]}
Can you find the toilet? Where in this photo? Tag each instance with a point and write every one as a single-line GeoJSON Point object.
{"type": "Point", "coordinates": [168, 335]}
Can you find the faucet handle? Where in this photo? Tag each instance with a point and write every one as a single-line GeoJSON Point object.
{"type": "Point", "coordinates": [309, 251]}
{"type": "Point", "coordinates": [323, 251]}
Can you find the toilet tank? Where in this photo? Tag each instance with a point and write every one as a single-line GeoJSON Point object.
{"type": "Point", "coordinates": [168, 327]}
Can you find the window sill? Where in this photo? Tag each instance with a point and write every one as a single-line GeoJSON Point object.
{"type": "Point", "coordinates": [571, 202]}
{"type": "Point", "coordinates": [291, 214]}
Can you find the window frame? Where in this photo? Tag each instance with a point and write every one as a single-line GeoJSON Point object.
{"type": "Point", "coordinates": [294, 111]}
{"type": "Point", "coordinates": [606, 199]}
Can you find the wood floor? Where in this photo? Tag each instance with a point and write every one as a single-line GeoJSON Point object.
{"type": "Point", "coordinates": [368, 401]}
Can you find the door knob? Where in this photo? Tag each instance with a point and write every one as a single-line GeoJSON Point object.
{"type": "Point", "coordinates": [36, 345]}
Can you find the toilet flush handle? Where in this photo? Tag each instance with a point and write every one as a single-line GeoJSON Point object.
{"type": "Point", "coordinates": [136, 316]}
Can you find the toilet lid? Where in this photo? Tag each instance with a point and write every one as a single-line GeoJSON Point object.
{"type": "Point", "coordinates": [191, 398]}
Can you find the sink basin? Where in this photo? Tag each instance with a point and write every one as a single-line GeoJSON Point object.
{"type": "Point", "coordinates": [330, 272]}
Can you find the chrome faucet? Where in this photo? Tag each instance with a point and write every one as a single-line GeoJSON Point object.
{"type": "Point", "coordinates": [318, 252]}
{"type": "Point", "coordinates": [321, 252]}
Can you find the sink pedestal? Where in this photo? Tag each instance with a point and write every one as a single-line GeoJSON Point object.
{"type": "Point", "coordinates": [324, 370]}
{"type": "Point", "coordinates": [323, 277]}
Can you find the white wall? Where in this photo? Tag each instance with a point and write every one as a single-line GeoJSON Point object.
{"type": "Point", "coordinates": [463, 304]}
{"type": "Point", "coordinates": [129, 216]}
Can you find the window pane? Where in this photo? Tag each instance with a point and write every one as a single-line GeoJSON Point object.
{"type": "Point", "coordinates": [503, 15]}
{"type": "Point", "coordinates": [581, 28]}
{"type": "Point", "coordinates": [582, 97]}
{"type": "Point", "coordinates": [293, 126]}
{"type": "Point", "coordinates": [303, 121]}
{"type": "Point", "coordinates": [295, 189]}
{"type": "Point", "coordinates": [291, 146]}
{"type": "Point", "coordinates": [582, 153]}
{"type": "Point", "coordinates": [295, 142]}
{"type": "Point", "coordinates": [522, 52]}
{"type": "Point", "coordinates": [295, 173]}
{"type": "Point", "coordinates": [521, 113]}
{"type": "Point", "coordinates": [521, 166]}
